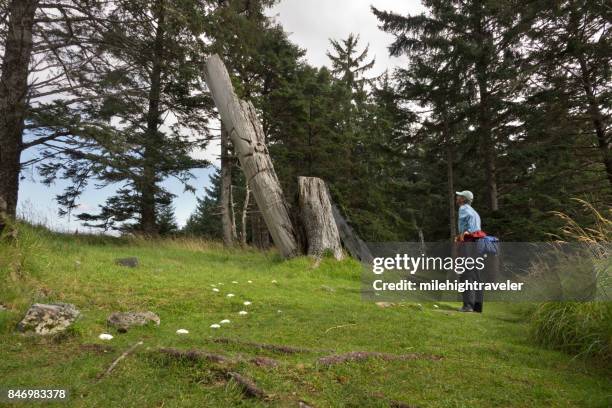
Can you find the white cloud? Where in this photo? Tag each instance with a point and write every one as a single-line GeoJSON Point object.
{"type": "Point", "coordinates": [312, 23]}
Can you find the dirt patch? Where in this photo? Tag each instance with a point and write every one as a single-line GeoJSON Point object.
{"type": "Point", "coordinates": [277, 348]}
{"type": "Point", "coordinates": [195, 355]}
{"type": "Point", "coordinates": [264, 362]}
{"type": "Point", "coordinates": [365, 355]}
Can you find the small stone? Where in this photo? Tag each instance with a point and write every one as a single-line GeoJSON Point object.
{"type": "Point", "coordinates": [215, 290]}
{"type": "Point", "coordinates": [230, 295]}
{"type": "Point", "coordinates": [224, 321]}
{"type": "Point", "coordinates": [51, 318]}
{"type": "Point", "coordinates": [105, 336]}
{"type": "Point", "coordinates": [234, 282]}
{"type": "Point", "coordinates": [436, 306]}
{"type": "Point", "coordinates": [123, 321]}
{"type": "Point", "coordinates": [130, 262]}
{"type": "Point", "coordinates": [274, 281]}
{"type": "Point", "coordinates": [247, 303]}
{"type": "Point", "coordinates": [250, 281]}
{"type": "Point", "coordinates": [182, 331]}
{"type": "Point", "coordinates": [215, 326]}
{"type": "Point", "coordinates": [242, 312]}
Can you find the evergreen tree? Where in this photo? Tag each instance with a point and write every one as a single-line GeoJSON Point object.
{"type": "Point", "coordinates": [482, 40]}
{"type": "Point", "coordinates": [571, 52]}
{"type": "Point", "coordinates": [206, 219]}
{"type": "Point", "coordinates": [143, 93]}
{"type": "Point", "coordinates": [166, 221]}
{"type": "Point", "coordinates": [34, 78]}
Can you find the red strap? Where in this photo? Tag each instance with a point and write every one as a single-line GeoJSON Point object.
{"type": "Point", "coordinates": [473, 236]}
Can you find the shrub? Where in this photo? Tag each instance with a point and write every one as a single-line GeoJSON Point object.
{"type": "Point", "coordinates": [583, 329]}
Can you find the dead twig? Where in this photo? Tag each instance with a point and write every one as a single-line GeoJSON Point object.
{"type": "Point", "coordinates": [338, 327]}
{"type": "Point", "coordinates": [118, 359]}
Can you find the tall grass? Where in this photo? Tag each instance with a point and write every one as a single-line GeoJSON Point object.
{"type": "Point", "coordinates": [582, 328]}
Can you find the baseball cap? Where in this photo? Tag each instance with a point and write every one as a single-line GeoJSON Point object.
{"type": "Point", "coordinates": [466, 193]}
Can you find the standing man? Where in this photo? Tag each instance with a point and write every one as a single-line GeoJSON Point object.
{"type": "Point", "coordinates": [469, 231]}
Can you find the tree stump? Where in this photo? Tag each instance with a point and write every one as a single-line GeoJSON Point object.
{"type": "Point", "coordinates": [317, 218]}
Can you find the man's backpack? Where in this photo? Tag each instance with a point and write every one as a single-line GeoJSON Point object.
{"type": "Point", "coordinates": [488, 245]}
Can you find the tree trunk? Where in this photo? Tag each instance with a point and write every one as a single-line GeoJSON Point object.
{"type": "Point", "coordinates": [484, 118]}
{"type": "Point", "coordinates": [148, 216]}
{"type": "Point", "coordinates": [245, 131]}
{"type": "Point", "coordinates": [356, 247]}
{"type": "Point", "coordinates": [450, 179]}
{"type": "Point", "coordinates": [260, 234]}
{"type": "Point", "coordinates": [317, 218]}
{"type": "Point", "coordinates": [451, 193]}
{"type": "Point", "coordinates": [13, 94]}
{"type": "Point", "coordinates": [226, 186]}
{"type": "Point", "coordinates": [488, 145]}
{"type": "Point", "coordinates": [233, 215]}
{"type": "Point", "coordinates": [245, 208]}
{"type": "Point", "coordinates": [3, 216]}
{"type": "Point", "coordinates": [603, 142]}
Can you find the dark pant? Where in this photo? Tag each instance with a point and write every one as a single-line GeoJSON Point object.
{"type": "Point", "coordinates": [471, 298]}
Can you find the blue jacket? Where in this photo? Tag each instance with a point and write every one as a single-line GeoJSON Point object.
{"type": "Point", "coordinates": [468, 219]}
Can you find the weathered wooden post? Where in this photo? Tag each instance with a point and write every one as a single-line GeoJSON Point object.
{"type": "Point", "coordinates": [246, 133]}
{"type": "Point", "coordinates": [322, 223]}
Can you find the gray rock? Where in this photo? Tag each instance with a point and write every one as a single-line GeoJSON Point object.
{"type": "Point", "coordinates": [123, 321]}
{"type": "Point", "coordinates": [51, 318]}
{"type": "Point", "coordinates": [130, 262]}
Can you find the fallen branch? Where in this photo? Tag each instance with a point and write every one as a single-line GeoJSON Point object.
{"type": "Point", "coordinates": [364, 355]}
{"type": "Point", "coordinates": [248, 386]}
{"type": "Point", "coordinates": [278, 348]}
{"type": "Point", "coordinates": [118, 359]}
{"type": "Point", "coordinates": [338, 327]}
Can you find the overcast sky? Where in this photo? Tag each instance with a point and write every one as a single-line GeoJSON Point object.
{"type": "Point", "coordinates": [310, 24]}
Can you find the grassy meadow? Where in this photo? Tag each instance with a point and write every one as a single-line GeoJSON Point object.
{"type": "Point", "coordinates": [468, 360]}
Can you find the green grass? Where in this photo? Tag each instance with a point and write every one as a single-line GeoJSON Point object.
{"type": "Point", "coordinates": [583, 329]}
{"type": "Point", "coordinates": [488, 360]}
